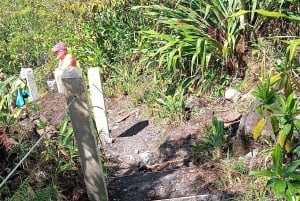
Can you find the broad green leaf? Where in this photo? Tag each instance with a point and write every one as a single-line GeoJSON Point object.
{"type": "Point", "coordinates": [279, 188]}
{"type": "Point", "coordinates": [282, 138]}
{"type": "Point", "coordinates": [271, 182]}
{"type": "Point", "coordinates": [295, 176]}
{"type": "Point", "coordinates": [275, 124]}
{"type": "Point", "coordinates": [275, 78]}
{"type": "Point", "coordinates": [277, 159]}
{"type": "Point", "coordinates": [288, 88]}
{"type": "Point", "coordinates": [297, 123]}
{"type": "Point", "coordinates": [288, 145]}
{"type": "Point", "coordinates": [289, 193]}
{"type": "Point", "coordinates": [291, 50]}
{"type": "Point", "coordinates": [269, 13]}
{"type": "Point", "coordinates": [282, 81]}
{"type": "Point", "coordinates": [296, 150]}
{"type": "Point", "coordinates": [259, 128]}
{"type": "Point", "coordinates": [287, 129]}
{"type": "Point", "coordinates": [265, 173]}
{"type": "Point", "coordinates": [282, 103]}
{"type": "Point", "coordinates": [292, 166]}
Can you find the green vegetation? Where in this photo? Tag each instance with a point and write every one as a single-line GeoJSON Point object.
{"type": "Point", "coordinates": [284, 178]}
{"type": "Point", "coordinates": [213, 140]}
{"type": "Point", "coordinates": [8, 93]}
{"type": "Point", "coordinates": [26, 193]}
{"type": "Point", "coordinates": [160, 53]}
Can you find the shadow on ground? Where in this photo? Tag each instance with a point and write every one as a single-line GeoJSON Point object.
{"type": "Point", "coordinates": [135, 129]}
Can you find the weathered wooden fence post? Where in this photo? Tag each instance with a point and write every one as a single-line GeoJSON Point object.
{"type": "Point", "coordinates": [97, 101]}
{"type": "Point", "coordinates": [74, 87]}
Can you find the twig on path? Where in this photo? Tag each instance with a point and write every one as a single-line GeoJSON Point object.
{"type": "Point", "coordinates": [163, 165]}
{"type": "Point", "coordinates": [124, 117]}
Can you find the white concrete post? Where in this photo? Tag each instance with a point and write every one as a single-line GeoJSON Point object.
{"type": "Point", "coordinates": [57, 75]}
{"type": "Point", "coordinates": [97, 101]}
{"type": "Point", "coordinates": [79, 110]}
{"type": "Point", "coordinates": [27, 73]}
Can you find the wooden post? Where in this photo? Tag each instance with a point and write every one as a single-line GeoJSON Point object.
{"type": "Point", "coordinates": [74, 87]}
{"type": "Point", "coordinates": [27, 73]}
{"type": "Point", "coordinates": [97, 101]}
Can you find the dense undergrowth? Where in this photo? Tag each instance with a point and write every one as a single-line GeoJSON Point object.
{"type": "Point", "coordinates": [160, 53]}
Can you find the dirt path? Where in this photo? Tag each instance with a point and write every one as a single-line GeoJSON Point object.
{"type": "Point", "coordinates": [151, 162]}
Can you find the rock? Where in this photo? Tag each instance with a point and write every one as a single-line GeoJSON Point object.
{"type": "Point", "coordinates": [248, 96]}
{"type": "Point", "coordinates": [232, 95]}
{"type": "Point", "coordinates": [107, 140]}
{"type": "Point", "coordinates": [41, 131]}
{"type": "Point", "coordinates": [145, 159]}
{"type": "Point", "coordinates": [207, 112]}
{"type": "Point", "coordinates": [27, 125]}
{"type": "Point", "coordinates": [232, 116]}
{"type": "Point", "coordinates": [41, 178]}
{"type": "Point", "coordinates": [192, 102]}
{"type": "Point", "coordinates": [206, 115]}
{"type": "Point", "coordinates": [231, 122]}
{"type": "Point", "coordinates": [243, 141]}
{"type": "Point", "coordinates": [252, 154]}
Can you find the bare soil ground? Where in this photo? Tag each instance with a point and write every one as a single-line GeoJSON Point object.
{"type": "Point", "coordinates": [146, 161]}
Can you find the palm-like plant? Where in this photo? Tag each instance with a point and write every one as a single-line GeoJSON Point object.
{"type": "Point", "coordinates": [197, 35]}
{"type": "Point", "coordinates": [194, 36]}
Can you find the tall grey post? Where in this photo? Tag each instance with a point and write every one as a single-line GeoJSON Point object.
{"type": "Point", "coordinates": [74, 87]}
{"type": "Point", "coordinates": [97, 101]}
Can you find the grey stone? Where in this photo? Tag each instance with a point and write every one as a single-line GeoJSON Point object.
{"type": "Point", "coordinates": [248, 96]}
{"type": "Point", "coordinates": [232, 94]}
{"type": "Point", "coordinates": [145, 158]}
{"type": "Point", "coordinates": [244, 141]}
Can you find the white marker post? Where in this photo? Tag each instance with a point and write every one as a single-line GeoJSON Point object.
{"type": "Point", "coordinates": [27, 73]}
{"type": "Point", "coordinates": [57, 75]}
{"type": "Point", "coordinates": [98, 103]}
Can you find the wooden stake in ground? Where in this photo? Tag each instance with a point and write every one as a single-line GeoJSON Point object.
{"type": "Point", "coordinates": [79, 110]}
